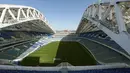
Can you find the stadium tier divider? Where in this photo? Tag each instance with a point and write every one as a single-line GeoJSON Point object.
{"type": "Point", "coordinates": [69, 68]}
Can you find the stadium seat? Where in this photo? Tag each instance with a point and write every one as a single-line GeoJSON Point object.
{"type": "Point", "coordinates": [27, 71]}
{"type": "Point", "coordinates": [102, 38]}
{"type": "Point", "coordinates": [118, 70]}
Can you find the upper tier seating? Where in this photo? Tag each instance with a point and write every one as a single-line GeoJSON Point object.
{"type": "Point", "coordinates": [103, 38]}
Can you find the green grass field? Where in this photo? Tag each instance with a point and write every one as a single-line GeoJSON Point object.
{"type": "Point", "coordinates": [60, 51]}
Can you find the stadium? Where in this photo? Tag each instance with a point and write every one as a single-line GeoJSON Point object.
{"type": "Point", "coordinates": [99, 45]}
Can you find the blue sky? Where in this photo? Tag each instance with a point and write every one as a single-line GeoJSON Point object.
{"type": "Point", "coordinates": [61, 14]}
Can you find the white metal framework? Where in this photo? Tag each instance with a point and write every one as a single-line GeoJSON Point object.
{"type": "Point", "coordinates": [110, 16]}
{"type": "Point", "coordinates": [15, 14]}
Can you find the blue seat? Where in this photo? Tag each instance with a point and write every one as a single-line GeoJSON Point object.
{"type": "Point", "coordinates": [106, 40]}
{"type": "Point", "coordinates": [27, 71]}
{"type": "Point", "coordinates": [6, 35]}
{"type": "Point", "coordinates": [118, 70]}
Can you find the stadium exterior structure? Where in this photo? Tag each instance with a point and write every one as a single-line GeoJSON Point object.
{"type": "Point", "coordinates": [21, 26]}
{"type": "Point", "coordinates": [17, 17]}
{"type": "Point", "coordinates": [110, 16]}
{"type": "Point", "coordinates": [107, 23]}
{"type": "Point", "coordinates": [29, 21]}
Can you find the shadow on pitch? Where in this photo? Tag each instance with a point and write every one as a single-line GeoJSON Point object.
{"type": "Point", "coordinates": [71, 52]}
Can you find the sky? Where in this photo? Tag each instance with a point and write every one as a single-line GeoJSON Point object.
{"type": "Point", "coordinates": [61, 14]}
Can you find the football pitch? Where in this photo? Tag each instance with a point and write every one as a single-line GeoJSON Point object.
{"type": "Point", "coordinates": [57, 52]}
